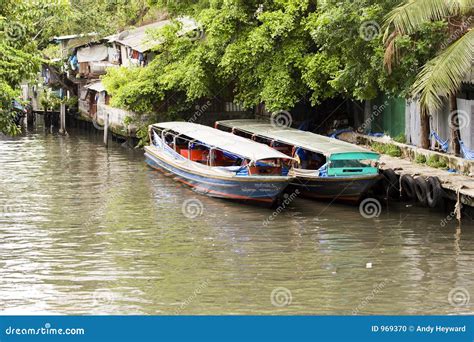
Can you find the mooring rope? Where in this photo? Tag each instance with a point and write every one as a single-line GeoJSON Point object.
{"type": "Point", "coordinates": [458, 206]}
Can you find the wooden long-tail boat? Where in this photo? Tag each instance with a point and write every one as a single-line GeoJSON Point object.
{"type": "Point", "coordinates": [327, 168]}
{"type": "Point", "coordinates": [217, 163]}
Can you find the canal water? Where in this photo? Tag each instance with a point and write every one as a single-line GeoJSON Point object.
{"type": "Point", "coordinates": [92, 230]}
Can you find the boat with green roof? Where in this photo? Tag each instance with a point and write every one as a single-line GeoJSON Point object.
{"type": "Point", "coordinates": [325, 168]}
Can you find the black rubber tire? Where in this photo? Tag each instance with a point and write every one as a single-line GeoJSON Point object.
{"type": "Point", "coordinates": [421, 190]}
{"type": "Point", "coordinates": [435, 192]}
{"type": "Point", "coordinates": [408, 187]}
{"type": "Point", "coordinates": [391, 183]}
{"type": "Point", "coordinates": [379, 187]}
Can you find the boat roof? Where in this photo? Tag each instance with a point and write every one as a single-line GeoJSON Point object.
{"type": "Point", "coordinates": [228, 142]}
{"type": "Point", "coordinates": [291, 136]}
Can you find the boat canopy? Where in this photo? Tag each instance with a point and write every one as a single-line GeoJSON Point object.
{"type": "Point", "coordinates": [214, 138]}
{"type": "Point", "coordinates": [330, 147]}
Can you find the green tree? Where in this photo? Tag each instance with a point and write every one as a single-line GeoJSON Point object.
{"type": "Point", "coordinates": [278, 53]}
{"type": "Point", "coordinates": [25, 26]}
{"type": "Point", "coordinates": [442, 75]}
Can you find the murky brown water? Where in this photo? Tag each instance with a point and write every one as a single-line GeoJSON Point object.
{"type": "Point", "coordinates": [90, 230]}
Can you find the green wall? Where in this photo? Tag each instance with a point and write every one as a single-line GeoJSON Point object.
{"type": "Point", "coordinates": [392, 118]}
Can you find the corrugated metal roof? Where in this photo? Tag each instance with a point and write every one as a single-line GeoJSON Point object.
{"type": "Point", "coordinates": [138, 38]}
{"type": "Point", "coordinates": [74, 36]}
{"type": "Point", "coordinates": [222, 140]}
{"type": "Point", "coordinates": [96, 86]}
{"type": "Point", "coordinates": [307, 140]}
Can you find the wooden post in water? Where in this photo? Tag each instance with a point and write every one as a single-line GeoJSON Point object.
{"type": "Point", "coordinates": [106, 128]}
{"type": "Point", "coordinates": [62, 109]}
{"type": "Point", "coordinates": [62, 119]}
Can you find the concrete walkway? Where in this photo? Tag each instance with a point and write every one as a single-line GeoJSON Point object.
{"type": "Point", "coordinates": [451, 182]}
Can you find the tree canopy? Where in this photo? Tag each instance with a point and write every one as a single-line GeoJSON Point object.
{"type": "Point", "coordinates": [27, 28]}
{"type": "Point", "coordinates": [274, 52]}
{"type": "Point", "coordinates": [280, 52]}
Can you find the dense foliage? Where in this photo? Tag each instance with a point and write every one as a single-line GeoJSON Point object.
{"type": "Point", "coordinates": [24, 26]}
{"type": "Point", "coordinates": [27, 27]}
{"type": "Point", "coordinates": [280, 52]}
{"type": "Point", "coordinates": [274, 52]}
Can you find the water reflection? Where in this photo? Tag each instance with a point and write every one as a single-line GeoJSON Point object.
{"type": "Point", "coordinates": [89, 230]}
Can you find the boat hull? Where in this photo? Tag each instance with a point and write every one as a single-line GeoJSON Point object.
{"type": "Point", "coordinates": [347, 189]}
{"type": "Point", "coordinates": [266, 190]}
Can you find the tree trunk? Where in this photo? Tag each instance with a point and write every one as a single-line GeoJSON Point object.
{"type": "Point", "coordinates": [424, 128]}
{"type": "Point", "coordinates": [454, 125]}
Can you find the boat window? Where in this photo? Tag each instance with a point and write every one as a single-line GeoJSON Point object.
{"type": "Point", "coordinates": [242, 133]}
{"type": "Point", "coordinates": [283, 148]}
{"type": "Point", "coordinates": [268, 167]}
{"type": "Point", "coordinates": [223, 128]}
{"type": "Point", "coordinates": [351, 163]}
{"type": "Point", "coordinates": [309, 160]}
{"type": "Point", "coordinates": [262, 140]}
{"type": "Point", "coordinates": [352, 166]}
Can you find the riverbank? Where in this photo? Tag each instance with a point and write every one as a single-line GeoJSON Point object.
{"type": "Point", "coordinates": [453, 183]}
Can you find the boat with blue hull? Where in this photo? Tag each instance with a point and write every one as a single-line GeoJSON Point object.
{"type": "Point", "coordinates": [218, 164]}
{"type": "Point", "coordinates": [326, 168]}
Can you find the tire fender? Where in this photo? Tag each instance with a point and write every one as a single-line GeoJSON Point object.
{"type": "Point", "coordinates": [421, 190]}
{"type": "Point", "coordinates": [391, 183]}
{"type": "Point", "coordinates": [435, 192]}
{"type": "Point", "coordinates": [408, 186]}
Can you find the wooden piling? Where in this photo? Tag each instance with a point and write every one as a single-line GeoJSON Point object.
{"type": "Point", "coordinates": [62, 119]}
{"type": "Point", "coordinates": [106, 129]}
